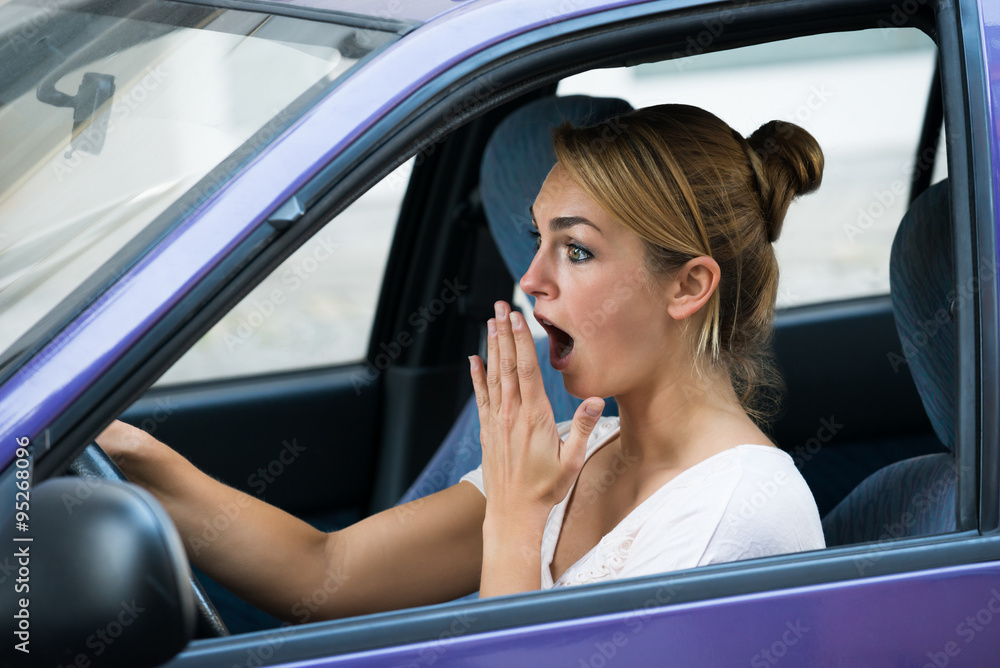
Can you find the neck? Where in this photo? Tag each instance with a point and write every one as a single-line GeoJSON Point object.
{"type": "Point", "coordinates": [681, 420]}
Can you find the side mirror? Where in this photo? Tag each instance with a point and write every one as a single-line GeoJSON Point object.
{"type": "Point", "coordinates": [100, 582]}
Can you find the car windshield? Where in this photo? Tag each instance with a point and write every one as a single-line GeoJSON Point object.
{"type": "Point", "coordinates": [111, 110]}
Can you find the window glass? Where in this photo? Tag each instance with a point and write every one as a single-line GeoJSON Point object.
{"type": "Point", "coordinates": [111, 111]}
{"type": "Point", "coordinates": [861, 94]}
{"type": "Point", "coordinates": [317, 308]}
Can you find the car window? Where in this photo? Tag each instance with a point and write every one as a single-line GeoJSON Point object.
{"type": "Point", "coordinates": [317, 308]}
{"type": "Point", "coordinates": [110, 112]}
{"type": "Point", "coordinates": [861, 94]}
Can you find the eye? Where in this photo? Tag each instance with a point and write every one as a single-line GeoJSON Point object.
{"type": "Point", "coordinates": [537, 237]}
{"type": "Point", "coordinates": [578, 253]}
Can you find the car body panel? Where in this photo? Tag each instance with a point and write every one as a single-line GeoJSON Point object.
{"type": "Point", "coordinates": [875, 621]}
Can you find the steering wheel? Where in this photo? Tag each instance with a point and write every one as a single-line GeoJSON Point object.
{"type": "Point", "coordinates": [93, 463]}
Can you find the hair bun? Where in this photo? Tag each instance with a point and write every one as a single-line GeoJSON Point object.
{"type": "Point", "coordinates": [790, 164]}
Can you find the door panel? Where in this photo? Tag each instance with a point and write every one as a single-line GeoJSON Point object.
{"type": "Point", "coordinates": [305, 442]}
{"type": "Point", "coordinates": [848, 409]}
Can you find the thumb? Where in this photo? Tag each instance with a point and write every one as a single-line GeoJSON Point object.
{"type": "Point", "coordinates": [584, 421]}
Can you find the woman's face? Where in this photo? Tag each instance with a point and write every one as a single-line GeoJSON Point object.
{"type": "Point", "coordinates": [609, 331]}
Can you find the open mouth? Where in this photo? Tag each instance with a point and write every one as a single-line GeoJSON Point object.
{"type": "Point", "coordinates": [560, 343]}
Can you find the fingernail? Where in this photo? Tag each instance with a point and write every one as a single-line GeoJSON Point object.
{"type": "Point", "coordinates": [516, 321]}
{"type": "Point", "coordinates": [594, 408]}
{"type": "Point", "coordinates": [472, 363]}
{"type": "Point", "coordinates": [501, 310]}
{"type": "Point", "coordinates": [491, 327]}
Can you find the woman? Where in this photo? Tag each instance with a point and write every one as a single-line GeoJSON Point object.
{"type": "Point", "coordinates": [655, 280]}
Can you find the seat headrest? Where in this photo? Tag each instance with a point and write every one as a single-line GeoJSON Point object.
{"type": "Point", "coordinates": [922, 288]}
{"type": "Point", "coordinates": [517, 159]}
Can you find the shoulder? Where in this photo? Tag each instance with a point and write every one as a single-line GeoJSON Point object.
{"type": "Point", "coordinates": [771, 509]}
{"type": "Point", "coordinates": [767, 473]}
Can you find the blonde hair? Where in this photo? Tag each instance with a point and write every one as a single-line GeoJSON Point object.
{"type": "Point", "coordinates": [689, 185]}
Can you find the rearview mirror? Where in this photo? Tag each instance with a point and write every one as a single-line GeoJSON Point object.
{"type": "Point", "coordinates": [95, 582]}
{"type": "Point", "coordinates": [90, 107]}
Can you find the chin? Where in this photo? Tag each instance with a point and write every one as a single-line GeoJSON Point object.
{"type": "Point", "coordinates": [581, 389]}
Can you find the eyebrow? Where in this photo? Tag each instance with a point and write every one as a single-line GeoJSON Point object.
{"type": "Point", "coordinates": [564, 222]}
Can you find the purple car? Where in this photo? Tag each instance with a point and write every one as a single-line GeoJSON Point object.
{"type": "Point", "coordinates": [270, 232]}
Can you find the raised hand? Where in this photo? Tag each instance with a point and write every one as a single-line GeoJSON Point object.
{"type": "Point", "coordinates": [527, 467]}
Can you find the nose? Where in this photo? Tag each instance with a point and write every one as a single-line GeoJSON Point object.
{"type": "Point", "coordinates": [537, 281]}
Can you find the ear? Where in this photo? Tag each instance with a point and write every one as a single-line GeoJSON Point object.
{"type": "Point", "coordinates": [692, 286]}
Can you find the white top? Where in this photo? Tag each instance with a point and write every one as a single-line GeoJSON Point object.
{"type": "Point", "coordinates": [745, 502]}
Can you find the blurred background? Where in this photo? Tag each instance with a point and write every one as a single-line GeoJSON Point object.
{"type": "Point", "coordinates": [861, 94]}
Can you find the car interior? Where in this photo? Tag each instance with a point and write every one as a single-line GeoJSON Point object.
{"type": "Point", "coordinates": [868, 412]}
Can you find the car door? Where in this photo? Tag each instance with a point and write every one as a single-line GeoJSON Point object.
{"type": "Point", "coordinates": [809, 608]}
{"type": "Point", "coordinates": [797, 608]}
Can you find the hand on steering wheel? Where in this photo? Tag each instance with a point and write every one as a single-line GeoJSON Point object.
{"type": "Point", "coordinates": [94, 464]}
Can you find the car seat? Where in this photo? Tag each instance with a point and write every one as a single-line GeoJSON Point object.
{"type": "Point", "coordinates": [515, 162]}
{"type": "Point", "coordinates": [915, 496]}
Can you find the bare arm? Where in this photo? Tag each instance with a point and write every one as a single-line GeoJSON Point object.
{"type": "Point", "coordinates": [426, 551]}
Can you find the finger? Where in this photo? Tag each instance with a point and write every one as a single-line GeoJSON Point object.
{"type": "Point", "coordinates": [529, 376]}
{"type": "Point", "coordinates": [492, 364]}
{"type": "Point", "coordinates": [574, 450]}
{"type": "Point", "coordinates": [478, 373]}
{"type": "Point", "coordinates": [120, 435]}
{"type": "Point", "coordinates": [508, 356]}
